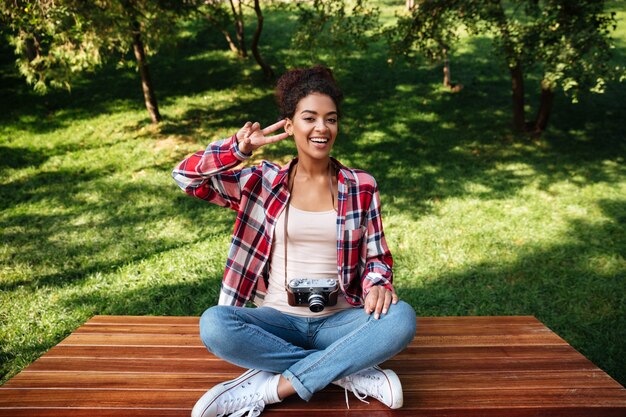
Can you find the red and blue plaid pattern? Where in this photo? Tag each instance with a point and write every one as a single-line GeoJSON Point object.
{"type": "Point", "coordinates": [258, 194]}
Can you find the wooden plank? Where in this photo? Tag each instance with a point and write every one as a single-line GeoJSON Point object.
{"type": "Point", "coordinates": [402, 367]}
{"type": "Point", "coordinates": [203, 381]}
{"type": "Point", "coordinates": [306, 412]}
{"type": "Point", "coordinates": [130, 352]}
{"type": "Point", "coordinates": [132, 340]}
{"type": "Point", "coordinates": [456, 412]}
{"type": "Point", "coordinates": [194, 340]}
{"type": "Point", "coordinates": [455, 367]}
{"type": "Point", "coordinates": [415, 351]}
{"type": "Point", "coordinates": [132, 365]}
{"type": "Point", "coordinates": [145, 320]}
{"type": "Point", "coordinates": [93, 412]}
{"type": "Point", "coordinates": [422, 321]}
{"type": "Point", "coordinates": [97, 398]}
{"type": "Point", "coordinates": [481, 320]}
{"type": "Point", "coordinates": [580, 397]}
{"type": "Point", "coordinates": [327, 400]}
{"type": "Point", "coordinates": [495, 340]}
{"type": "Point", "coordinates": [410, 353]}
{"type": "Point", "coordinates": [431, 329]}
{"type": "Point", "coordinates": [169, 329]}
{"type": "Point", "coordinates": [521, 379]}
{"type": "Point", "coordinates": [473, 330]}
{"type": "Point", "coordinates": [482, 330]}
{"type": "Point", "coordinates": [114, 380]}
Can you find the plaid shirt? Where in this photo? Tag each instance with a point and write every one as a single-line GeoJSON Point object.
{"type": "Point", "coordinates": [259, 194]}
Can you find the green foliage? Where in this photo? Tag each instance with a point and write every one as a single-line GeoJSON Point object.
{"type": "Point", "coordinates": [569, 40]}
{"type": "Point", "coordinates": [575, 45]}
{"type": "Point", "coordinates": [51, 42]}
{"type": "Point", "coordinates": [332, 30]}
{"type": "Point", "coordinates": [422, 34]}
{"type": "Point", "coordinates": [55, 40]}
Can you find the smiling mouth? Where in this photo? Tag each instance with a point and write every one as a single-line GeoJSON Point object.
{"type": "Point", "coordinates": [319, 140]}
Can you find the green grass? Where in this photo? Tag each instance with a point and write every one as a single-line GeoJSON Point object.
{"type": "Point", "coordinates": [480, 221]}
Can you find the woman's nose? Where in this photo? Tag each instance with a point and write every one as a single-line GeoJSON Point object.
{"type": "Point", "coordinates": [321, 126]}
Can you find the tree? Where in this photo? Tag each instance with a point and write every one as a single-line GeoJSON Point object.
{"type": "Point", "coordinates": [56, 39]}
{"type": "Point", "coordinates": [568, 41]}
{"type": "Point", "coordinates": [49, 42]}
{"type": "Point", "coordinates": [222, 15]}
{"type": "Point", "coordinates": [218, 16]}
{"type": "Point", "coordinates": [341, 27]}
{"type": "Point", "coordinates": [427, 36]}
{"type": "Point", "coordinates": [267, 70]}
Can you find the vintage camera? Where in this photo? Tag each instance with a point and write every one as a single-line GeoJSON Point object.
{"type": "Point", "coordinates": [316, 293]}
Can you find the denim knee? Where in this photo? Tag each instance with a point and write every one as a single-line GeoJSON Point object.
{"type": "Point", "coordinates": [404, 323]}
{"type": "Point", "coordinates": [212, 328]}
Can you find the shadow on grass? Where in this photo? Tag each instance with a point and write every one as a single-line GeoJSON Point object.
{"type": "Point", "coordinates": [579, 297]}
{"type": "Point", "coordinates": [181, 299]}
{"type": "Point", "coordinates": [100, 231]}
{"type": "Point", "coordinates": [425, 143]}
{"type": "Point", "coordinates": [208, 119]}
{"type": "Point", "coordinates": [18, 157]}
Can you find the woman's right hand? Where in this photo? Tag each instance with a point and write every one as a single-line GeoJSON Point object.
{"type": "Point", "coordinates": [251, 137]}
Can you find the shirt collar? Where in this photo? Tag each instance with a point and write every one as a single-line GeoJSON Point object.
{"type": "Point", "coordinates": [344, 173]}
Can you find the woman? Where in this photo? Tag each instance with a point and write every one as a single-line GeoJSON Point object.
{"type": "Point", "coordinates": [308, 248]}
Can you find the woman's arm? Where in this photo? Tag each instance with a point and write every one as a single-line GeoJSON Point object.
{"type": "Point", "coordinates": [378, 275]}
{"type": "Point", "coordinates": [209, 174]}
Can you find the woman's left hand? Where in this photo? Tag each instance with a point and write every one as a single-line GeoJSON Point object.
{"type": "Point", "coordinates": [378, 301]}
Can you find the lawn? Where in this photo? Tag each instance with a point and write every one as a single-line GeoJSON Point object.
{"type": "Point", "coordinates": [480, 221]}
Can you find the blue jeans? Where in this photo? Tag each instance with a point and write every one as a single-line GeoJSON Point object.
{"type": "Point", "coordinates": [309, 352]}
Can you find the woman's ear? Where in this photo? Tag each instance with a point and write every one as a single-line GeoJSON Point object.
{"type": "Point", "coordinates": [289, 126]}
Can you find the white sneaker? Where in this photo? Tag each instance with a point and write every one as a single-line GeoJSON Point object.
{"type": "Point", "coordinates": [246, 394]}
{"type": "Point", "coordinates": [382, 384]}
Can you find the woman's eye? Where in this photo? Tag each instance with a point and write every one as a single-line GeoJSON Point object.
{"type": "Point", "coordinates": [332, 121]}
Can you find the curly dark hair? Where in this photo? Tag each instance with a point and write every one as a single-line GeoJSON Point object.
{"type": "Point", "coordinates": [298, 83]}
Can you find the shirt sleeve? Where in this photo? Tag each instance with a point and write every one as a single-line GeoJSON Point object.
{"type": "Point", "coordinates": [379, 262]}
{"type": "Point", "coordinates": [209, 174]}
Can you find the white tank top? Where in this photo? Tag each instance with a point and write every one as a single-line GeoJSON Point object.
{"type": "Point", "coordinates": [311, 252]}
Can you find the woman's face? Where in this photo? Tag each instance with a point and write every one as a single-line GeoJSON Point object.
{"type": "Point", "coordinates": [314, 126]}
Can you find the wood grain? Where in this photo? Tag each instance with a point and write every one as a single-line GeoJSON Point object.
{"type": "Point", "coordinates": [455, 367]}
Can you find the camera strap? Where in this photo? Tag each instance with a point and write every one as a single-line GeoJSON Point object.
{"type": "Point", "coordinates": [291, 180]}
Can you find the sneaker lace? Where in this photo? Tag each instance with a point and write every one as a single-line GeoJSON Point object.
{"type": "Point", "coordinates": [252, 404]}
{"type": "Point", "coordinates": [373, 389]}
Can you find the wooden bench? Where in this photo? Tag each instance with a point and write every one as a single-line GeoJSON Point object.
{"type": "Point", "coordinates": [456, 366]}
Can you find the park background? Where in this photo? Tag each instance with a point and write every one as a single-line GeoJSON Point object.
{"type": "Point", "coordinates": [481, 220]}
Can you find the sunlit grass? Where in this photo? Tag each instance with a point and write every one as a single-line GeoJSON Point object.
{"type": "Point", "coordinates": [480, 221]}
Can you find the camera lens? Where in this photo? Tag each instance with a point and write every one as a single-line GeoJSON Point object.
{"type": "Point", "coordinates": [316, 302]}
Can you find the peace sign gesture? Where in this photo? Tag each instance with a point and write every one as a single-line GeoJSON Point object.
{"type": "Point", "coordinates": [251, 137]}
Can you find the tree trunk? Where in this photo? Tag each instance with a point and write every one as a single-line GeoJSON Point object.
{"type": "Point", "coordinates": [229, 39]}
{"type": "Point", "coordinates": [447, 78]}
{"type": "Point", "coordinates": [267, 70]}
{"type": "Point", "coordinates": [545, 108]}
{"type": "Point", "coordinates": [231, 43]}
{"type": "Point", "coordinates": [239, 28]}
{"type": "Point", "coordinates": [410, 5]}
{"type": "Point", "coordinates": [517, 86]}
{"type": "Point", "coordinates": [446, 69]}
{"type": "Point", "coordinates": [31, 46]}
{"type": "Point", "coordinates": [146, 83]}
{"type": "Point", "coordinates": [515, 68]}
